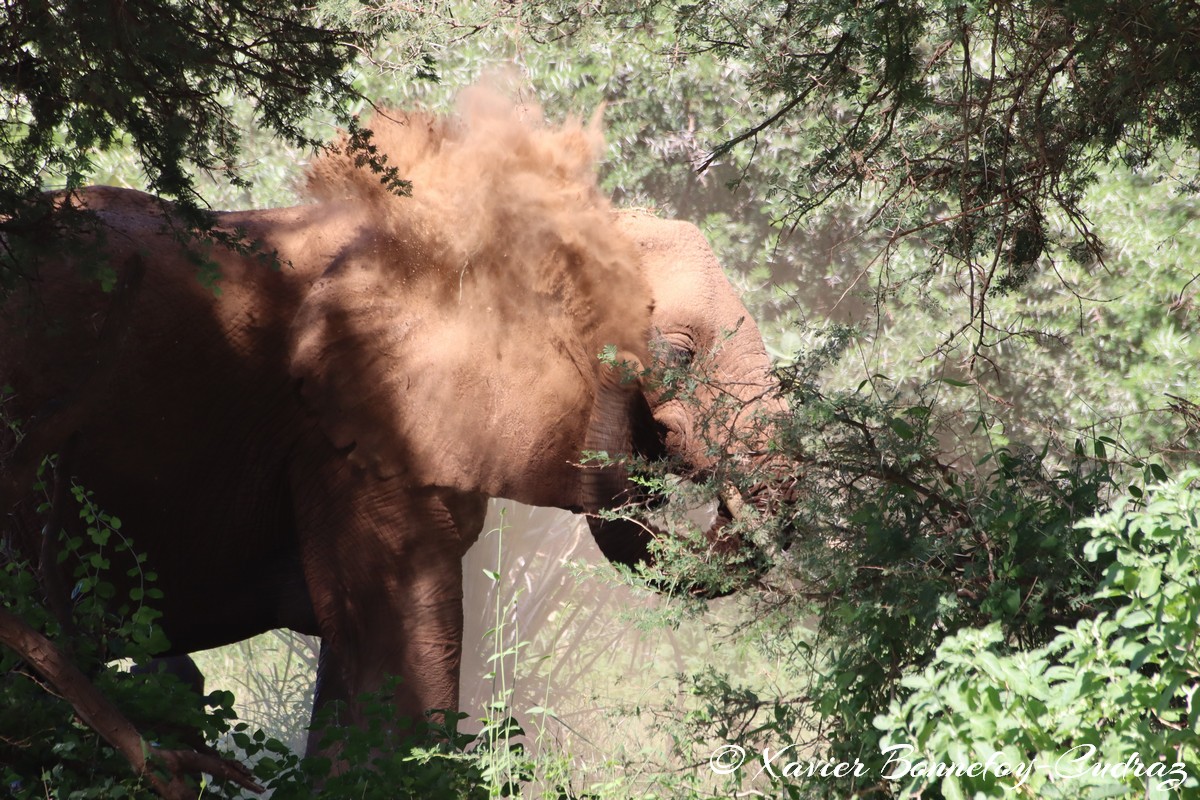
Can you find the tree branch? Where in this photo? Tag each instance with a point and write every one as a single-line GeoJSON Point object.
{"type": "Point", "coordinates": [98, 713]}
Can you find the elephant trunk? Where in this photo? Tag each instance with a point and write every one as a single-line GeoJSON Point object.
{"type": "Point", "coordinates": [622, 424]}
{"type": "Point", "coordinates": [619, 410]}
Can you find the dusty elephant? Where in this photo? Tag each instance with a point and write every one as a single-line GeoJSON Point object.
{"type": "Point", "coordinates": [324, 431]}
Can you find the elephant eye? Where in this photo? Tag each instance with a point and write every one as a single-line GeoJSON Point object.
{"type": "Point", "coordinates": [673, 349]}
{"type": "Point", "coordinates": [679, 357]}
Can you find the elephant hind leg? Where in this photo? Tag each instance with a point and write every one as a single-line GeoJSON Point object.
{"type": "Point", "coordinates": [181, 666]}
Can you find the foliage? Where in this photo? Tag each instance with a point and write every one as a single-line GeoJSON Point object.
{"type": "Point", "coordinates": [374, 761]}
{"type": "Point", "coordinates": [272, 677]}
{"type": "Point", "coordinates": [1109, 357]}
{"type": "Point", "coordinates": [435, 760]}
{"type": "Point", "coordinates": [971, 125]}
{"type": "Point", "coordinates": [881, 550]}
{"type": "Point", "coordinates": [79, 79]}
{"type": "Point", "coordinates": [1108, 706]}
{"type": "Point", "coordinates": [44, 750]}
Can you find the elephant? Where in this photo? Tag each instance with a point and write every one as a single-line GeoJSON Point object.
{"type": "Point", "coordinates": [320, 430]}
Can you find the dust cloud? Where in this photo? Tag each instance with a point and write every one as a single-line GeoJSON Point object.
{"type": "Point", "coordinates": [503, 199]}
{"type": "Point", "coordinates": [482, 300]}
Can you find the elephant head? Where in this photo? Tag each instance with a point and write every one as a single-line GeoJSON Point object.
{"type": "Point", "coordinates": [699, 328]}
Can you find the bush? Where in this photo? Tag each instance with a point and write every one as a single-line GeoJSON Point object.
{"type": "Point", "coordinates": [45, 748]}
{"type": "Point", "coordinates": [882, 551]}
{"type": "Point", "coordinates": [1106, 709]}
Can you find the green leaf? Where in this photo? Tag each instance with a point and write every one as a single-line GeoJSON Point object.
{"type": "Point", "coordinates": [1149, 581]}
{"type": "Point", "coordinates": [901, 428]}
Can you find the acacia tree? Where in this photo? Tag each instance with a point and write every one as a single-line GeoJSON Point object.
{"type": "Point", "coordinates": [160, 77]}
{"type": "Point", "coordinates": [976, 126]}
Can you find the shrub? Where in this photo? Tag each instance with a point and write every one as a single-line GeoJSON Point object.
{"type": "Point", "coordinates": [1107, 708]}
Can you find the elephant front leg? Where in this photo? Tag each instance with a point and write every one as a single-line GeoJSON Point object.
{"type": "Point", "coordinates": [415, 636]}
{"type": "Point", "coordinates": [384, 569]}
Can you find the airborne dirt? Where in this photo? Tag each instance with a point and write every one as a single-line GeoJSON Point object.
{"type": "Point", "coordinates": [509, 261]}
{"type": "Point", "coordinates": [501, 198]}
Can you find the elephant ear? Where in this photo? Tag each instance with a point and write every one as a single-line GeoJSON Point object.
{"type": "Point", "coordinates": [481, 378]}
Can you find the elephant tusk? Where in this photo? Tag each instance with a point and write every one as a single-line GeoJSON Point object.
{"type": "Point", "coordinates": [732, 499]}
{"type": "Point", "coordinates": [728, 495]}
